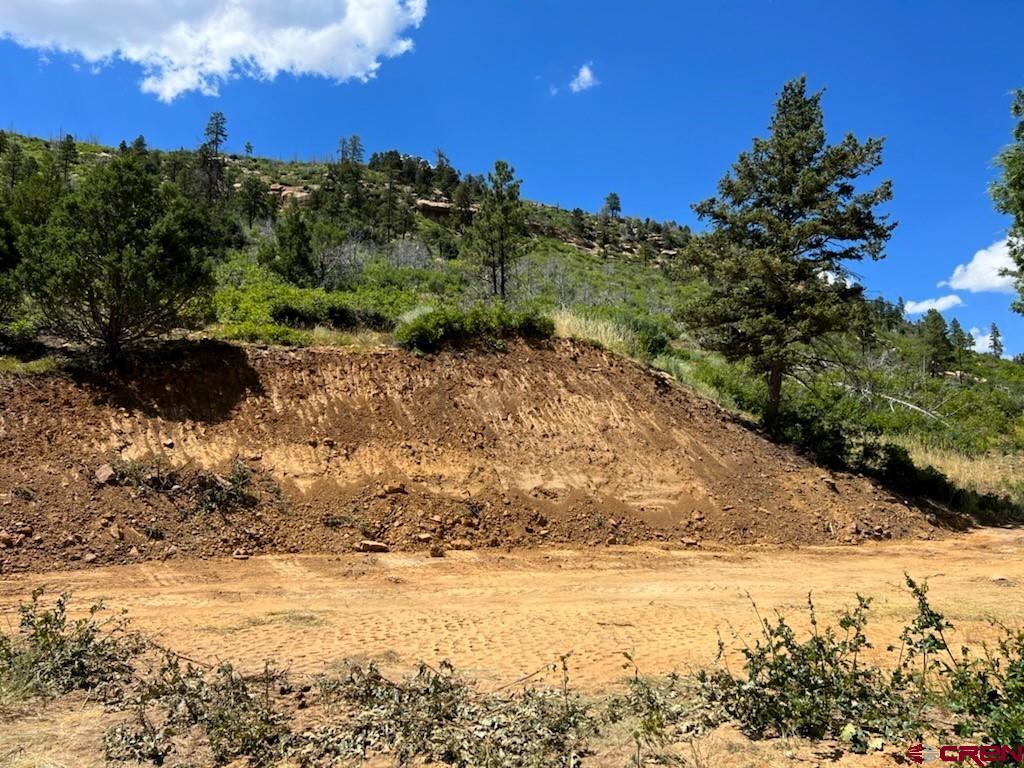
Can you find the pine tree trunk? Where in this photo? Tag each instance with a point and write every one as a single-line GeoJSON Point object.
{"type": "Point", "coordinates": [771, 413]}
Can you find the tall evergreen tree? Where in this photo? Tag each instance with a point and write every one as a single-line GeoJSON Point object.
{"type": "Point", "coordinates": [122, 257]}
{"type": "Point", "coordinates": [784, 223]}
{"type": "Point", "coordinates": [963, 344]}
{"type": "Point", "coordinates": [216, 132]}
{"type": "Point", "coordinates": [613, 205]}
{"type": "Point", "coordinates": [254, 198]}
{"type": "Point", "coordinates": [294, 254]}
{"type": "Point", "coordinates": [995, 341]}
{"type": "Point", "coordinates": [578, 222]}
{"type": "Point", "coordinates": [355, 149]}
{"type": "Point", "coordinates": [67, 156]}
{"type": "Point", "coordinates": [498, 234]}
{"type": "Point", "coordinates": [939, 352]}
{"type": "Point", "coordinates": [12, 165]}
{"type": "Point", "coordinates": [462, 207]}
{"type": "Point", "coordinates": [9, 259]}
{"type": "Point", "coordinates": [1008, 193]}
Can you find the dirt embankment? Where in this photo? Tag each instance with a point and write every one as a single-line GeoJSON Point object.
{"type": "Point", "coordinates": [557, 443]}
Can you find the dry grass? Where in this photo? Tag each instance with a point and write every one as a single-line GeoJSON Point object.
{"type": "Point", "coordinates": [61, 734]}
{"type": "Point", "coordinates": [990, 473]}
{"type": "Point", "coordinates": [16, 367]}
{"type": "Point", "coordinates": [360, 340]}
{"type": "Point", "coordinates": [604, 333]}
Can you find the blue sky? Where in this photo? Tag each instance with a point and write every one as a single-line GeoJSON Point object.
{"type": "Point", "coordinates": [676, 90]}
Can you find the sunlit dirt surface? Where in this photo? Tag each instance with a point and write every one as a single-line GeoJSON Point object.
{"type": "Point", "coordinates": [499, 616]}
{"type": "Point", "coordinates": [502, 615]}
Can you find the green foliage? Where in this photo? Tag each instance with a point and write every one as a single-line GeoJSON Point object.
{"type": "Point", "coordinates": [786, 221]}
{"type": "Point", "coordinates": [123, 256]}
{"type": "Point", "coordinates": [497, 235]}
{"type": "Point", "coordinates": [1008, 191]}
{"type": "Point", "coordinates": [935, 337]}
{"type": "Point", "coordinates": [984, 694]}
{"type": "Point", "coordinates": [235, 715]}
{"type": "Point", "coordinates": [265, 333]}
{"type": "Point", "coordinates": [430, 329]}
{"type": "Point", "coordinates": [241, 719]}
{"type": "Point", "coordinates": [437, 717]}
{"type": "Point", "coordinates": [200, 492]}
{"type": "Point", "coordinates": [818, 688]}
{"type": "Point", "coordinates": [224, 494]}
{"type": "Point", "coordinates": [51, 654]}
{"type": "Point", "coordinates": [254, 199]}
{"type": "Point", "coordinates": [10, 257]}
{"type": "Point", "coordinates": [651, 334]}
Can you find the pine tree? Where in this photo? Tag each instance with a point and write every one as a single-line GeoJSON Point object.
{"type": "Point", "coordinates": [578, 222]}
{"type": "Point", "coordinates": [962, 343]}
{"type": "Point", "coordinates": [294, 257]}
{"type": "Point", "coordinates": [498, 233]}
{"type": "Point", "coordinates": [248, 149]}
{"type": "Point", "coordinates": [12, 165]}
{"type": "Point", "coordinates": [216, 132]}
{"type": "Point", "coordinates": [462, 207]}
{"type": "Point", "coordinates": [784, 223]}
{"type": "Point", "coordinates": [1008, 194]}
{"type": "Point", "coordinates": [613, 205]}
{"type": "Point", "coordinates": [995, 341]}
{"type": "Point", "coordinates": [355, 149]}
{"type": "Point", "coordinates": [9, 259]}
{"type": "Point", "coordinates": [935, 335]}
{"type": "Point", "coordinates": [122, 257]}
{"type": "Point", "coordinates": [254, 198]}
{"type": "Point", "coordinates": [67, 156]}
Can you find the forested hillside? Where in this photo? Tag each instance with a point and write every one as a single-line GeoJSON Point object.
{"type": "Point", "coordinates": [106, 248]}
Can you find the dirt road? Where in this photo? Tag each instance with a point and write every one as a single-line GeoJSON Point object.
{"type": "Point", "coordinates": [500, 616]}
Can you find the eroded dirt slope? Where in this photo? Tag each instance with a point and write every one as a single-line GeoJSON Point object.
{"type": "Point", "coordinates": [541, 444]}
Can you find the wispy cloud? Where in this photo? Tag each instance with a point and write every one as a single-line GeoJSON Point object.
{"type": "Point", "coordinates": [196, 45]}
{"type": "Point", "coordinates": [985, 271]}
{"type": "Point", "coordinates": [584, 79]}
{"type": "Point", "coordinates": [941, 303]}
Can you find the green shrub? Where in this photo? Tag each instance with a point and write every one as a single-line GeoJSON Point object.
{"type": "Point", "coordinates": [429, 330]}
{"type": "Point", "coordinates": [219, 494]}
{"type": "Point", "coordinates": [437, 717]}
{"type": "Point", "coordinates": [818, 688]}
{"type": "Point", "coordinates": [984, 695]}
{"type": "Point", "coordinates": [51, 655]}
{"type": "Point", "coordinates": [265, 333]}
{"type": "Point", "coordinates": [236, 716]}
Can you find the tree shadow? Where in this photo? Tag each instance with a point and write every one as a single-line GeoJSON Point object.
{"type": "Point", "coordinates": [182, 380]}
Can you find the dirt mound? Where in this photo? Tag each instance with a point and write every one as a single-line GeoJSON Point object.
{"type": "Point", "coordinates": [213, 449]}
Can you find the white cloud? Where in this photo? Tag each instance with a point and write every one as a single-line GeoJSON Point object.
{"type": "Point", "coordinates": [982, 340]}
{"type": "Point", "coordinates": [984, 271]}
{"type": "Point", "coordinates": [553, 90]}
{"type": "Point", "coordinates": [584, 79]}
{"type": "Point", "coordinates": [196, 45]}
{"type": "Point", "coordinates": [942, 303]}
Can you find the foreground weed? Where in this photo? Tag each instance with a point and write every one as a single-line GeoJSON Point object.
{"type": "Point", "coordinates": [50, 654]}
{"type": "Point", "coordinates": [818, 688]}
{"type": "Point", "coordinates": [438, 717]}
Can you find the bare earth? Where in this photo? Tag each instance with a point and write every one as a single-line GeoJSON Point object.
{"type": "Point", "coordinates": [500, 616]}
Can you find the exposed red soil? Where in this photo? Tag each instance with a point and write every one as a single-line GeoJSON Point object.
{"type": "Point", "coordinates": [552, 443]}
